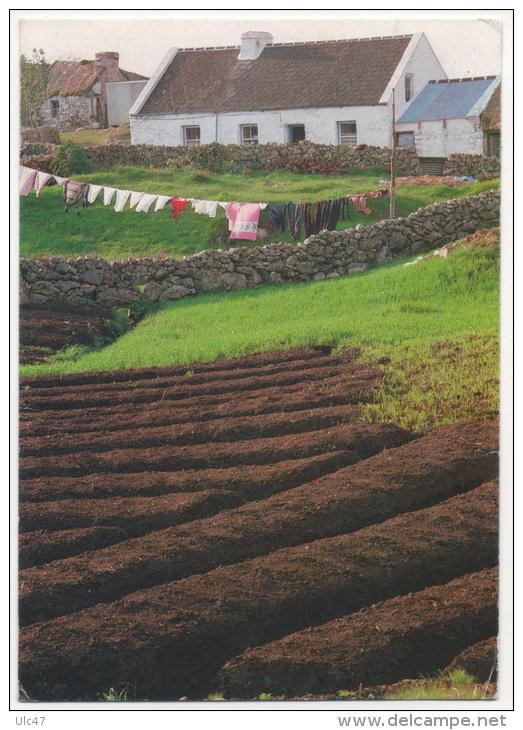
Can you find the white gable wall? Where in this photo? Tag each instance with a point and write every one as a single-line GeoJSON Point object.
{"type": "Point", "coordinates": [441, 138]}
{"type": "Point", "coordinates": [320, 125]}
{"type": "Point", "coordinates": [420, 61]}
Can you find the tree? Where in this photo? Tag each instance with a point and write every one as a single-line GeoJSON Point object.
{"type": "Point", "coordinates": [34, 73]}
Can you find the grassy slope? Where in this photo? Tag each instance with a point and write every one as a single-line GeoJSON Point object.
{"type": "Point", "coordinates": [46, 230]}
{"type": "Point", "coordinates": [435, 323]}
{"type": "Point", "coordinates": [85, 137]}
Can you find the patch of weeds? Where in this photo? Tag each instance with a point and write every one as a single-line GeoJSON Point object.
{"type": "Point", "coordinates": [113, 696]}
{"type": "Point", "coordinates": [265, 696]}
{"type": "Point", "coordinates": [215, 697]}
{"type": "Point", "coordinates": [429, 384]}
{"type": "Point", "coordinates": [346, 694]}
{"type": "Point", "coordinates": [458, 685]}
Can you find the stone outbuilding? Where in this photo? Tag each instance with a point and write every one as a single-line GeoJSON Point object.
{"type": "Point", "coordinates": [449, 117]}
{"type": "Point", "coordinates": [77, 91]}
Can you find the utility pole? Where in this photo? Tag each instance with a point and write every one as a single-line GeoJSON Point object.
{"type": "Point", "coordinates": [392, 191]}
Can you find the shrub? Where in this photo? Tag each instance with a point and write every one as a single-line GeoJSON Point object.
{"type": "Point", "coordinates": [70, 159]}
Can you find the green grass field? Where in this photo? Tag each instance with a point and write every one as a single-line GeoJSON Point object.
{"type": "Point", "coordinates": [46, 230]}
{"type": "Point", "coordinates": [433, 326]}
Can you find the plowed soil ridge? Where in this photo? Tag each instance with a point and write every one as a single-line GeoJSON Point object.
{"type": "Point", "coordinates": [204, 620]}
{"type": "Point", "coordinates": [200, 456]}
{"type": "Point", "coordinates": [149, 395]}
{"type": "Point", "coordinates": [402, 479]}
{"type": "Point", "coordinates": [479, 660]}
{"type": "Point", "coordinates": [244, 362]}
{"type": "Point", "coordinates": [412, 635]}
{"type": "Point", "coordinates": [224, 429]}
{"type": "Point", "coordinates": [129, 516]}
{"type": "Point", "coordinates": [44, 330]}
{"type": "Point", "coordinates": [253, 483]}
{"type": "Point", "coordinates": [191, 378]}
{"type": "Point", "coordinates": [298, 397]}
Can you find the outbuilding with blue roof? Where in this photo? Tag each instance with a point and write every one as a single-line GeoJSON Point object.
{"type": "Point", "coordinates": [444, 118]}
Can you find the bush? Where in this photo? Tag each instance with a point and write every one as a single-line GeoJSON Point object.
{"type": "Point", "coordinates": [70, 159]}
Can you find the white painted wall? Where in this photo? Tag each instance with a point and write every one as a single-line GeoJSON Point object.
{"type": "Point", "coordinates": [441, 138]}
{"type": "Point", "coordinates": [320, 125]}
{"type": "Point", "coordinates": [424, 66]}
{"type": "Point", "coordinates": [121, 95]}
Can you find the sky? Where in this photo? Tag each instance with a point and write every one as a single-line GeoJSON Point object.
{"type": "Point", "coordinates": [464, 47]}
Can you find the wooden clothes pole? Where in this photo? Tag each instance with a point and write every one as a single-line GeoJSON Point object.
{"type": "Point", "coordinates": [392, 209]}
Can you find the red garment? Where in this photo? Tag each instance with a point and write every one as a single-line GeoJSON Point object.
{"type": "Point", "coordinates": [178, 205]}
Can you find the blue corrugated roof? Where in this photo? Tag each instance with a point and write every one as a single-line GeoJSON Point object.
{"type": "Point", "coordinates": [446, 100]}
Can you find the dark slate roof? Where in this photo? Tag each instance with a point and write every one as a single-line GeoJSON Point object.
{"type": "Point", "coordinates": [447, 99]}
{"type": "Point", "coordinates": [285, 76]}
{"type": "Point", "coordinates": [75, 78]}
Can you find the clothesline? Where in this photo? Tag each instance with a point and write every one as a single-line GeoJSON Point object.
{"type": "Point", "coordinates": [243, 218]}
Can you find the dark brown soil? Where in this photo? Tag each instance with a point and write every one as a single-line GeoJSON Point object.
{"type": "Point", "coordinates": [478, 660]}
{"type": "Point", "coordinates": [422, 472]}
{"type": "Point", "coordinates": [240, 363]}
{"type": "Point", "coordinates": [45, 330]}
{"type": "Point", "coordinates": [189, 377]}
{"type": "Point", "coordinates": [254, 483]}
{"type": "Point", "coordinates": [43, 547]}
{"type": "Point", "coordinates": [170, 640]}
{"type": "Point", "coordinates": [301, 396]}
{"type": "Point", "coordinates": [137, 395]}
{"type": "Point", "coordinates": [201, 456]}
{"type": "Point", "coordinates": [217, 430]}
{"type": "Point", "coordinates": [172, 518]}
{"type": "Point", "coordinates": [406, 636]}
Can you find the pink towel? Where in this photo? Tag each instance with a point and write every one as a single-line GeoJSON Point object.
{"type": "Point", "coordinates": [243, 220]}
{"type": "Point", "coordinates": [27, 178]}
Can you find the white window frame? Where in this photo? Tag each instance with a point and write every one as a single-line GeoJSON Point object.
{"type": "Point", "coordinates": [192, 142]}
{"type": "Point", "coordinates": [251, 140]}
{"type": "Point", "coordinates": [409, 83]}
{"type": "Point", "coordinates": [349, 138]}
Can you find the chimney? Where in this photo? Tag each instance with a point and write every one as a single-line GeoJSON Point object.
{"type": "Point", "coordinates": [253, 43]}
{"type": "Point", "coordinates": [107, 59]}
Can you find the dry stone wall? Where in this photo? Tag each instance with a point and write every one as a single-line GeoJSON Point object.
{"type": "Point", "coordinates": [484, 168]}
{"type": "Point", "coordinates": [327, 255]}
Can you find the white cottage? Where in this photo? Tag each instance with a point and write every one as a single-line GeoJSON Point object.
{"type": "Point", "coordinates": [447, 117]}
{"type": "Point", "coordinates": [332, 92]}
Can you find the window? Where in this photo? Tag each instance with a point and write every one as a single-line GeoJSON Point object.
{"type": "Point", "coordinates": [249, 133]}
{"type": "Point", "coordinates": [347, 133]}
{"type": "Point", "coordinates": [405, 139]}
{"type": "Point", "coordinates": [409, 86]}
{"type": "Point", "coordinates": [296, 133]}
{"type": "Point", "coordinates": [191, 136]}
{"type": "Point", "coordinates": [55, 107]}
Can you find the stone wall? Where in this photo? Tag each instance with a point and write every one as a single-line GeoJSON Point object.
{"type": "Point", "coordinates": [305, 158]}
{"type": "Point", "coordinates": [74, 112]}
{"type": "Point", "coordinates": [484, 168]}
{"type": "Point", "coordinates": [327, 255]}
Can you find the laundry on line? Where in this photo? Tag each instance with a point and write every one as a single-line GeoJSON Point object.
{"type": "Point", "coordinates": [243, 217]}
